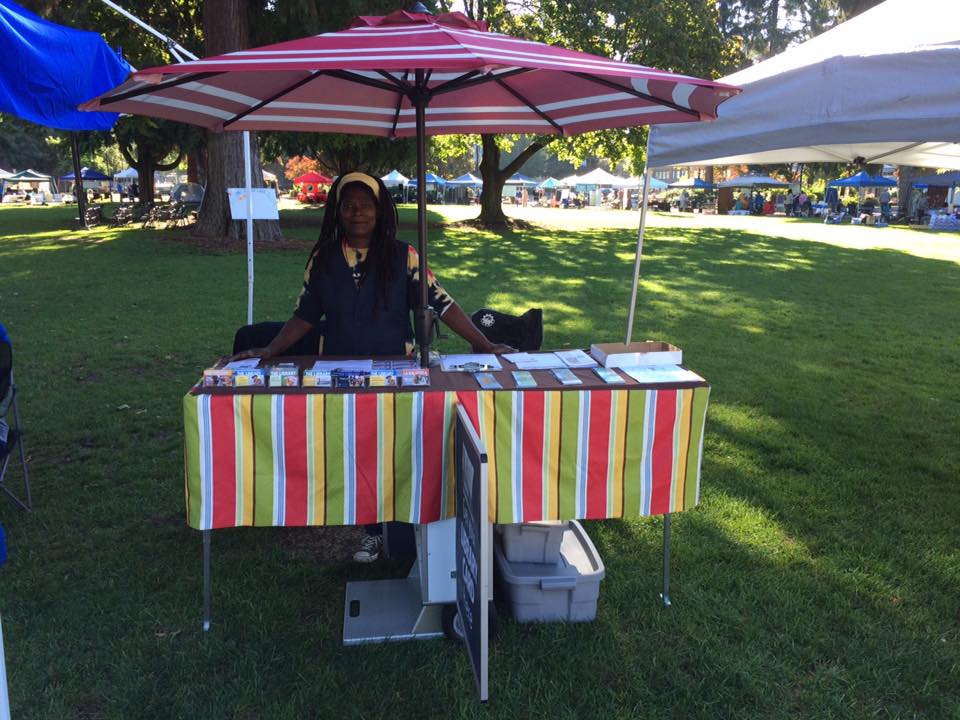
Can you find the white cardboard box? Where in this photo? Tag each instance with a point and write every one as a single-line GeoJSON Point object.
{"type": "Point", "coordinates": [636, 354]}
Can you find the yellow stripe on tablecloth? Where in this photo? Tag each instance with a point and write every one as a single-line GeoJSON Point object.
{"type": "Point", "coordinates": [245, 428]}
{"type": "Point", "coordinates": [617, 437]}
{"type": "Point", "coordinates": [386, 452]}
{"type": "Point", "coordinates": [685, 398]}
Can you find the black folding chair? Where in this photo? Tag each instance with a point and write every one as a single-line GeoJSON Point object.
{"type": "Point", "coordinates": [260, 334]}
{"type": "Point", "coordinates": [14, 431]}
{"type": "Point", "coordinates": [524, 332]}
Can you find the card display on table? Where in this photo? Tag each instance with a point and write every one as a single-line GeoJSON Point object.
{"type": "Point", "coordinates": [524, 379]}
{"type": "Point", "coordinates": [487, 381]}
{"type": "Point", "coordinates": [662, 374]}
{"type": "Point", "coordinates": [611, 377]}
{"type": "Point", "coordinates": [576, 359]}
{"type": "Point", "coordinates": [566, 377]}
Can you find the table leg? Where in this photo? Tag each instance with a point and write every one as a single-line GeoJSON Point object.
{"type": "Point", "coordinates": [665, 595]}
{"type": "Point", "coordinates": [206, 581]}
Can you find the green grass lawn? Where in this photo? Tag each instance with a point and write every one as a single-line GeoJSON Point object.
{"type": "Point", "coordinates": [819, 577]}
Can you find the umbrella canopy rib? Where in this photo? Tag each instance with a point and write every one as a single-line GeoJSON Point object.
{"type": "Point", "coordinates": [460, 84]}
{"type": "Point", "coordinates": [136, 92]}
{"type": "Point", "coordinates": [529, 104]}
{"type": "Point", "coordinates": [636, 93]}
{"type": "Point", "coordinates": [396, 114]}
{"type": "Point", "coordinates": [275, 96]}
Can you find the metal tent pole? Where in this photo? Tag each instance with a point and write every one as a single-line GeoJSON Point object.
{"type": "Point", "coordinates": [248, 184]}
{"type": "Point", "coordinates": [424, 324]}
{"type": "Point", "coordinates": [78, 190]}
{"type": "Point", "coordinates": [640, 232]}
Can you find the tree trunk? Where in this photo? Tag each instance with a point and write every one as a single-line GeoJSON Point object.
{"type": "Point", "coordinates": [225, 29]}
{"type": "Point", "coordinates": [906, 202]}
{"type": "Point", "coordinates": [491, 207]}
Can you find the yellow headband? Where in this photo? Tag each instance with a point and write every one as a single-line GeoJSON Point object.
{"type": "Point", "coordinates": [361, 178]}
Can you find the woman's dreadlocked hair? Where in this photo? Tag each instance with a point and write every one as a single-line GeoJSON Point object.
{"type": "Point", "coordinates": [383, 244]}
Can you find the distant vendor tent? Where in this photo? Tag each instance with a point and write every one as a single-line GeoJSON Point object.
{"type": "Point", "coordinates": [29, 176]}
{"type": "Point", "coordinates": [947, 180]}
{"type": "Point", "coordinates": [518, 179]}
{"type": "Point", "coordinates": [602, 178]}
{"type": "Point", "coordinates": [394, 179]}
{"type": "Point", "coordinates": [863, 179]}
{"type": "Point", "coordinates": [753, 181]}
{"type": "Point", "coordinates": [429, 179]}
{"type": "Point", "coordinates": [690, 184]}
{"type": "Point", "coordinates": [551, 183]}
{"type": "Point", "coordinates": [467, 180]}
{"type": "Point", "coordinates": [87, 174]}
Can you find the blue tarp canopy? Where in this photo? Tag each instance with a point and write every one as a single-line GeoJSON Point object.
{"type": "Point", "coordinates": [518, 179]}
{"type": "Point", "coordinates": [87, 174]}
{"type": "Point", "coordinates": [467, 180]}
{"type": "Point", "coordinates": [691, 183]}
{"type": "Point", "coordinates": [863, 179]}
{"type": "Point", "coordinates": [550, 183]}
{"type": "Point", "coordinates": [950, 179]}
{"type": "Point", "coordinates": [48, 70]}
{"type": "Point", "coordinates": [431, 179]}
{"type": "Point", "coordinates": [28, 176]}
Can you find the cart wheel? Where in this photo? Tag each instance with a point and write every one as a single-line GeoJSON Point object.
{"type": "Point", "coordinates": [453, 625]}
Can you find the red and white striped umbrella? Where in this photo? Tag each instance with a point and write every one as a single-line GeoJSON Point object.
{"type": "Point", "coordinates": [363, 80]}
{"type": "Point", "coordinates": [414, 74]}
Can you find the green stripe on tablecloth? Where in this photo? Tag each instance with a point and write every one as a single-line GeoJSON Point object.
{"type": "Point", "coordinates": [569, 441]}
{"type": "Point", "coordinates": [263, 479]}
{"type": "Point", "coordinates": [403, 456]}
{"type": "Point", "coordinates": [191, 459]}
{"type": "Point", "coordinates": [633, 452]}
{"type": "Point", "coordinates": [503, 437]}
{"type": "Point", "coordinates": [333, 420]}
{"type": "Point", "coordinates": [698, 415]}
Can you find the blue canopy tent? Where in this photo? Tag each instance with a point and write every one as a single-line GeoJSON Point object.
{"type": "Point", "coordinates": [863, 179]}
{"type": "Point", "coordinates": [86, 173]}
{"type": "Point", "coordinates": [518, 179]}
{"type": "Point", "coordinates": [550, 183]}
{"type": "Point", "coordinates": [460, 188]}
{"type": "Point", "coordinates": [690, 184]}
{"type": "Point", "coordinates": [466, 180]}
{"type": "Point", "coordinates": [436, 181]}
{"type": "Point", "coordinates": [947, 180]}
{"type": "Point", "coordinates": [657, 184]}
{"type": "Point", "coordinates": [49, 69]}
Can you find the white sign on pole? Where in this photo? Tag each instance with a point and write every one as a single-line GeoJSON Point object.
{"type": "Point", "coordinates": [264, 203]}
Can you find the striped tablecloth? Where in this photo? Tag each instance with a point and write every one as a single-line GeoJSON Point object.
{"type": "Point", "coordinates": [342, 459]}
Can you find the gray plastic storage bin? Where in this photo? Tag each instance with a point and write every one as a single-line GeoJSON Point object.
{"type": "Point", "coordinates": [536, 542]}
{"type": "Point", "coordinates": [566, 591]}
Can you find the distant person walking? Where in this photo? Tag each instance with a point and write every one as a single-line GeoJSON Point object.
{"type": "Point", "coordinates": [884, 204]}
{"type": "Point", "coordinates": [788, 203]}
{"type": "Point", "coordinates": [682, 202]}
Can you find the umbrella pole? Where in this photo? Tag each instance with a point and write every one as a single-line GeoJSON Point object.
{"type": "Point", "coordinates": [643, 226]}
{"type": "Point", "coordinates": [248, 183]}
{"type": "Point", "coordinates": [424, 324]}
{"type": "Point", "coordinates": [78, 191]}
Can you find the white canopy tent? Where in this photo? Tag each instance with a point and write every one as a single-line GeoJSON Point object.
{"type": "Point", "coordinates": [883, 87]}
{"type": "Point", "coordinates": [605, 179]}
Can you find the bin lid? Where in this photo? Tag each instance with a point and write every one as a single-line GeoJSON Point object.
{"type": "Point", "coordinates": [578, 558]}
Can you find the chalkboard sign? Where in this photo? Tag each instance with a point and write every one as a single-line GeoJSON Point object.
{"type": "Point", "coordinates": [474, 554]}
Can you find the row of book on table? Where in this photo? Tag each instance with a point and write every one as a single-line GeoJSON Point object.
{"type": "Point", "coordinates": [645, 362]}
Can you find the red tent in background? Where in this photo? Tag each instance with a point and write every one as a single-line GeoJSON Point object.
{"type": "Point", "coordinates": [314, 178]}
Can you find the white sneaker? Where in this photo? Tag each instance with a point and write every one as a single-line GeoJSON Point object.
{"type": "Point", "coordinates": [369, 549]}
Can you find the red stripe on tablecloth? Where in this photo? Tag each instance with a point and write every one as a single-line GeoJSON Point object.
{"type": "Point", "coordinates": [532, 473]}
{"type": "Point", "coordinates": [432, 457]}
{"type": "Point", "coordinates": [469, 401]}
{"type": "Point", "coordinates": [599, 455]}
{"type": "Point", "coordinates": [295, 459]}
{"type": "Point", "coordinates": [366, 460]}
{"type": "Point", "coordinates": [666, 416]}
{"type": "Point", "coordinates": [223, 439]}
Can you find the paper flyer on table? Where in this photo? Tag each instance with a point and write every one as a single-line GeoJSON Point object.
{"type": "Point", "coordinates": [661, 374]}
{"type": "Point", "coordinates": [470, 362]}
{"type": "Point", "coordinates": [364, 366]}
{"type": "Point", "coordinates": [576, 359]}
{"type": "Point", "coordinates": [242, 364]}
{"type": "Point", "coordinates": [535, 361]}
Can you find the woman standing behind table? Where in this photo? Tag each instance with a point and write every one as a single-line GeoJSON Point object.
{"type": "Point", "coordinates": [364, 283]}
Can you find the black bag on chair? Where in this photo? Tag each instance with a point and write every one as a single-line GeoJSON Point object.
{"type": "Point", "coordinates": [260, 335]}
{"type": "Point", "coordinates": [524, 332]}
